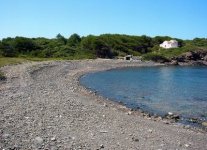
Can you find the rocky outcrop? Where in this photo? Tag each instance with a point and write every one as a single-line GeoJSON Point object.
{"type": "Point", "coordinates": [191, 58]}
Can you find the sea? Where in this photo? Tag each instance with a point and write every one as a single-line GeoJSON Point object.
{"type": "Point", "coordinates": [159, 90]}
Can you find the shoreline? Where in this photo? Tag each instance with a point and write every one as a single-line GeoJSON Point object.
{"type": "Point", "coordinates": [44, 106]}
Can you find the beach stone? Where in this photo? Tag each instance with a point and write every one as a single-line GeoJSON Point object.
{"type": "Point", "coordinates": [101, 146]}
{"type": "Point", "coordinates": [172, 116]}
{"type": "Point", "coordinates": [135, 139]}
{"type": "Point", "coordinates": [53, 139]}
{"type": "Point", "coordinates": [6, 136]}
{"type": "Point", "coordinates": [204, 124]}
{"type": "Point", "coordinates": [38, 141]}
{"type": "Point", "coordinates": [105, 105]}
{"type": "Point", "coordinates": [53, 148]}
{"type": "Point", "coordinates": [129, 113]}
{"type": "Point", "coordinates": [194, 120]}
{"type": "Point", "coordinates": [170, 113]}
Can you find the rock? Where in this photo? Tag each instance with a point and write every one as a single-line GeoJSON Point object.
{"type": "Point", "coordinates": [186, 145]}
{"type": "Point", "coordinates": [187, 126]}
{"type": "Point", "coordinates": [170, 113]}
{"type": "Point", "coordinates": [53, 139]}
{"type": "Point", "coordinates": [188, 55]}
{"type": "Point", "coordinates": [159, 118]}
{"type": "Point", "coordinates": [194, 120]}
{"type": "Point", "coordinates": [105, 105]}
{"type": "Point", "coordinates": [129, 113]}
{"type": "Point", "coordinates": [103, 131]}
{"type": "Point", "coordinates": [192, 57]}
{"type": "Point", "coordinates": [53, 148]}
{"type": "Point", "coordinates": [135, 139]}
{"type": "Point", "coordinates": [38, 142]}
{"type": "Point", "coordinates": [205, 62]}
{"type": "Point", "coordinates": [205, 58]}
{"type": "Point", "coordinates": [172, 116]}
{"type": "Point", "coordinates": [101, 146]}
{"type": "Point", "coordinates": [204, 124]}
{"type": "Point", "coordinates": [174, 62]}
{"type": "Point", "coordinates": [6, 136]}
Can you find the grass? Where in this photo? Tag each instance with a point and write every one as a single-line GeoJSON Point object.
{"type": "Point", "coordinates": [9, 61]}
{"type": "Point", "coordinates": [169, 53]}
{"type": "Point", "coordinates": [18, 60]}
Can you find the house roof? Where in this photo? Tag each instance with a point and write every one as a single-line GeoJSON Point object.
{"type": "Point", "coordinates": [171, 41]}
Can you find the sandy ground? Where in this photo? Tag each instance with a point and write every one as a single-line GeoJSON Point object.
{"type": "Point", "coordinates": [42, 106]}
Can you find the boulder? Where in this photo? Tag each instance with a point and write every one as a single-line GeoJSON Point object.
{"type": "Point", "coordinates": [192, 58]}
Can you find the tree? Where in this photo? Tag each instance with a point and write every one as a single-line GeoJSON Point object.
{"type": "Point", "coordinates": [24, 45]}
{"type": "Point", "coordinates": [7, 50]}
{"type": "Point", "coordinates": [7, 47]}
{"type": "Point", "coordinates": [74, 40]}
{"type": "Point", "coordinates": [160, 39]}
{"type": "Point", "coordinates": [61, 39]}
{"type": "Point", "coordinates": [87, 42]}
{"type": "Point", "coordinates": [102, 49]}
{"type": "Point", "coordinates": [200, 42]}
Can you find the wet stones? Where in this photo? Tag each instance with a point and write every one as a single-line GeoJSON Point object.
{"type": "Point", "coordinates": [171, 116]}
{"type": "Point", "coordinates": [204, 124]}
{"type": "Point", "coordinates": [194, 120]}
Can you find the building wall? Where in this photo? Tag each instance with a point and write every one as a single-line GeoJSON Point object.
{"type": "Point", "coordinates": [168, 44]}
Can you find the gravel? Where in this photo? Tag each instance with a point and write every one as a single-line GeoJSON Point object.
{"type": "Point", "coordinates": [43, 106]}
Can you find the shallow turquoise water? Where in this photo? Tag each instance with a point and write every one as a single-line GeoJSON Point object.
{"type": "Point", "coordinates": [158, 90]}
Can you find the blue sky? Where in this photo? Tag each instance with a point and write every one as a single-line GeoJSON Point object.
{"type": "Point", "coordinates": [185, 19]}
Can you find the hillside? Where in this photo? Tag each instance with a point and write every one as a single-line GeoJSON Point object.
{"type": "Point", "coordinates": [103, 46]}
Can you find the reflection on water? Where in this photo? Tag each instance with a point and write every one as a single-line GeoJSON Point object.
{"type": "Point", "coordinates": [155, 89]}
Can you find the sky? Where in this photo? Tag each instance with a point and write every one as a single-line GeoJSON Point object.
{"type": "Point", "coordinates": [185, 19]}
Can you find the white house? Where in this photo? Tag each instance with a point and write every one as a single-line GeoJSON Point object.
{"type": "Point", "coordinates": [169, 44]}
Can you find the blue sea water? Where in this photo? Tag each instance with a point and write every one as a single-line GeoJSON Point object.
{"type": "Point", "coordinates": [157, 90]}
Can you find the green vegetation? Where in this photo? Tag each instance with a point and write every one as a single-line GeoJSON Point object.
{"type": "Point", "coordinates": [15, 60]}
{"type": "Point", "coordinates": [90, 47]}
{"type": "Point", "coordinates": [155, 57]}
{"type": "Point", "coordinates": [2, 77]}
{"type": "Point", "coordinates": [184, 46]}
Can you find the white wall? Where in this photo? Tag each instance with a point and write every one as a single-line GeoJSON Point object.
{"type": "Point", "coordinates": [169, 44]}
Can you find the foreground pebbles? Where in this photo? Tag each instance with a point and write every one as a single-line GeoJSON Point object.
{"type": "Point", "coordinates": [43, 107]}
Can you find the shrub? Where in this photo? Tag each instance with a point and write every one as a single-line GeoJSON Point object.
{"type": "Point", "coordinates": [155, 58]}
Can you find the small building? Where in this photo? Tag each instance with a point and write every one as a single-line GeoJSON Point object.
{"type": "Point", "coordinates": [169, 44]}
{"type": "Point", "coordinates": [128, 57]}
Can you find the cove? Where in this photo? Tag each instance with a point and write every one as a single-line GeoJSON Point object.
{"type": "Point", "coordinates": [157, 90]}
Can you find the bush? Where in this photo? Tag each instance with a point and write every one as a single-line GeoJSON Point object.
{"type": "Point", "coordinates": [155, 58]}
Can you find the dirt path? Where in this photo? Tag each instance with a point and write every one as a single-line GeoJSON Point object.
{"type": "Point", "coordinates": [42, 107]}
